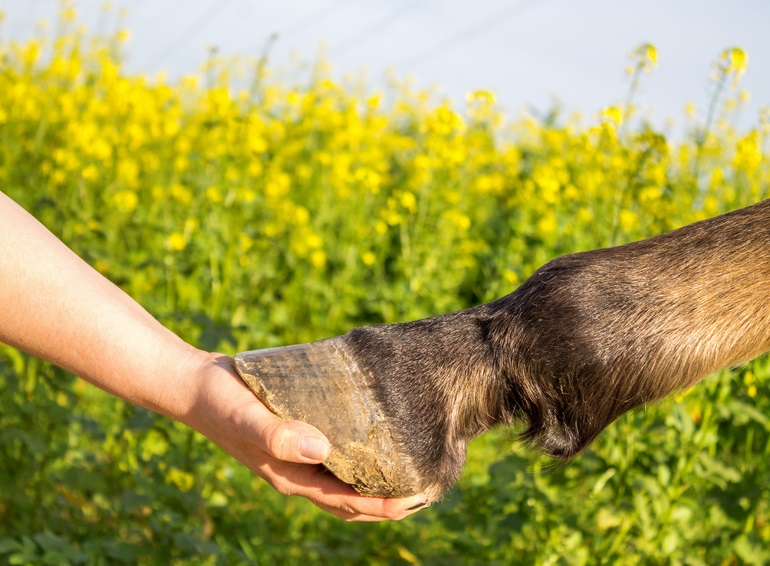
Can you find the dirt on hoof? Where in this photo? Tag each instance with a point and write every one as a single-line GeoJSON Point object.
{"type": "Point", "coordinates": [321, 384]}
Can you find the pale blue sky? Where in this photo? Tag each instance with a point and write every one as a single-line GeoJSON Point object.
{"type": "Point", "coordinates": [529, 52]}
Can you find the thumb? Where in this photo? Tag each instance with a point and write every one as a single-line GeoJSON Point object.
{"type": "Point", "coordinates": [293, 441]}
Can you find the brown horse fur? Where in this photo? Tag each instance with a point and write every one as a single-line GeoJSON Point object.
{"type": "Point", "coordinates": [586, 338]}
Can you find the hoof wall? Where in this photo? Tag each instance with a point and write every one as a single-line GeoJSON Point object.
{"type": "Point", "coordinates": [321, 384]}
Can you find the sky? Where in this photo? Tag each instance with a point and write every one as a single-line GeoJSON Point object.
{"type": "Point", "coordinates": [530, 53]}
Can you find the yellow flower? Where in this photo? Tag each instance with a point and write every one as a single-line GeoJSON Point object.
{"type": "Point", "coordinates": [246, 194]}
{"type": "Point", "coordinates": [318, 258]}
{"type": "Point", "coordinates": [651, 54]}
{"type": "Point", "coordinates": [613, 114]}
{"type": "Point", "coordinates": [460, 220]}
{"type": "Point", "coordinates": [585, 215]}
{"type": "Point", "coordinates": [181, 479]}
{"type": "Point", "coordinates": [128, 172]}
{"type": "Point", "coordinates": [644, 59]}
{"type": "Point", "coordinates": [368, 258]}
{"type": "Point", "coordinates": [481, 96]}
{"type": "Point", "coordinates": [214, 194]}
{"type": "Point", "coordinates": [547, 179]}
{"type": "Point", "coordinates": [547, 224]}
{"type": "Point", "coordinates": [392, 218]}
{"type": "Point", "coordinates": [301, 215]}
{"type": "Point", "coordinates": [313, 241]}
{"type": "Point", "coordinates": [277, 186]}
{"type": "Point", "coordinates": [510, 276]}
{"type": "Point", "coordinates": [748, 156]}
{"type": "Point", "coordinates": [126, 201]}
{"type": "Point", "coordinates": [408, 201]}
{"type": "Point", "coordinates": [58, 177]}
{"type": "Point", "coordinates": [90, 173]}
{"type": "Point", "coordinates": [245, 242]}
{"type": "Point", "coordinates": [68, 14]}
{"type": "Point", "coordinates": [736, 58]}
{"type": "Point", "coordinates": [629, 220]}
{"type": "Point", "coordinates": [181, 194]}
{"type": "Point", "coordinates": [732, 61]}
{"type": "Point", "coordinates": [176, 242]}
{"type": "Point", "coordinates": [649, 195]}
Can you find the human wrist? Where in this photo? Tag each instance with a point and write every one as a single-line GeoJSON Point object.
{"type": "Point", "coordinates": [178, 377]}
{"type": "Point", "coordinates": [201, 380]}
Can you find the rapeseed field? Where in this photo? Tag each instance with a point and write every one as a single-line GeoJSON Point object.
{"type": "Point", "coordinates": [244, 211]}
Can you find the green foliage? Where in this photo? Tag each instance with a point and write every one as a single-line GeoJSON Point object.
{"type": "Point", "coordinates": [284, 214]}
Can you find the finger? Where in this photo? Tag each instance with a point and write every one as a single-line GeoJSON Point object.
{"type": "Point", "coordinates": [339, 499]}
{"type": "Point", "coordinates": [361, 508]}
{"type": "Point", "coordinates": [289, 441]}
{"type": "Point", "coordinates": [386, 509]}
{"type": "Point", "coordinates": [329, 493]}
{"type": "Point", "coordinates": [347, 516]}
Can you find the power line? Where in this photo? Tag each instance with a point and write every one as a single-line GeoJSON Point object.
{"type": "Point", "coordinates": [299, 25]}
{"type": "Point", "coordinates": [159, 15]}
{"type": "Point", "coordinates": [377, 27]}
{"type": "Point", "coordinates": [313, 18]}
{"type": "Point", "coordinates": [470, 32]}
{"type": "Point", "coordinates": [201, 22]}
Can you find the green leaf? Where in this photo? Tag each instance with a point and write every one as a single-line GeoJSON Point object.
{"type": "Point", "coordinates": [8, 545]}
{"type": "Point", "coordinates": [750, 552]}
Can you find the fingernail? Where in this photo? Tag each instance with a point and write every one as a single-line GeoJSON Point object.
{"type": "Point", "coordinates": [421, 504]}
{"type": "Point", "coordinates": [313, 448]}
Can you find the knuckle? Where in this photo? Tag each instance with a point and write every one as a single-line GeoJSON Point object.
{"type": "Point", "coordinates": [348, 512]}
{"type": "Point", "coordinates": [388, 511]}
{"type": "Point", "coordinates": [276, 440]}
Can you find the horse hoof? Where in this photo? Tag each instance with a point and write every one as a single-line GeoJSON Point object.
{"type": "Point", "coordinates": [321, 384]}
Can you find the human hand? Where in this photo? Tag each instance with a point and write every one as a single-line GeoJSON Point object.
{"type": "Point", "coordinates": [287, 454]}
